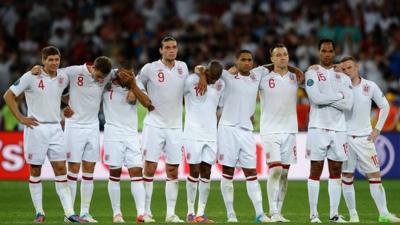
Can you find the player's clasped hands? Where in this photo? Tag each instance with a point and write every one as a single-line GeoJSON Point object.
{"type": "Point", "coordinates": [68, 112]}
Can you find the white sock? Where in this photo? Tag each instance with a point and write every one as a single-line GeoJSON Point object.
{"type": "Point", "coordinates": [148, 187]}
{"type": "Point", "coordinates": [64, 194]}
{"type": "Point", "coordinates": [313, 193]}
{"type": "Point", "coordinates": [204, 191]}
{"type": "Point", "coordinates": [171, 195]}
{"type": "Point", "coordinates": [349, 194]}
{"type": "Point", "coordinates": [273, 182]}
{"type": "Point", "coordinates": [254, 192]}
{"type": "Point", "coordinates": [379, 195]}
{"type": "Point", "coordinates": [35, 187]}
{"type": "Point", "coordinates": [139, 194]}
{"type": "Point", "coordinates": [72, 179]}
{"type": "Point", "coordinates": [227, 193]}
{"type": "Point", "coordinates": [86, 192]}
{"type": "Point", "coordinates": [283, 184]}
{"type": "Point", "coordinates": [191, 190]}
{"type": "Point", "coordinates": [335, 193]}
{"type": "Point", "coordinates": [114, 191]}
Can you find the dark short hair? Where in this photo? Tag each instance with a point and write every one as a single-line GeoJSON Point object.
{"type": "Point", "coordinates": [237, 55]}
{"type": "Point", "coordinates": [215, 67]}
{"type": "Point", "coordinates": [325, 40]}
{"type": "Point", "coordinates": [50, 50]}
{"type": "Point", "coordinates": [103, 64]}
{"type": "Point", "coordinates": [278, 45]}
{"type": "Point", "coordinates": [347, 58]}
{"type": "Point", "coordinates": [165, 39]}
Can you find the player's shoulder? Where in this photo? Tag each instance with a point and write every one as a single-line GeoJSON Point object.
{"type": "Point", "coordinates": [192, 78]}
{"type": "Point", "coordinates": [260, 70]}
{"type": "Point", "coordinates": [369, 83]}
{"type": "Point", "coordinates": [219, 84]}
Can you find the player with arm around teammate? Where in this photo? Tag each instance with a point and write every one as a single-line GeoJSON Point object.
{"type": "Point", "coordinates": [43, 135]}
{"type": "Point", "coordinates": [360, 138]}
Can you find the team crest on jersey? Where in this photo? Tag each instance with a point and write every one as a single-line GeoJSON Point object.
{"type": "Point", "coordinates": [253, 77]}
{"type": "Point", "coordinates": [180, 71]}
{"type": "Point", "coordinates": [219, 86]}
{"type": "Point", "coordinates": [60, 80]}
{"type": "Point", "coordinates": [365, 89]}
{"type": "Point", "coordinates": [291, 76]}
{"type": "Point", "coordinates": [337, 76]}
{"type": "Point", "coordinates": [30, 156]}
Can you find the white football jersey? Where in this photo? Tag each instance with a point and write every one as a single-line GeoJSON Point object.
{"type": "Point", "coordinates": [201, 110]}
{"type": "Point", "coordinates": [43, 95]}
{"type": "Point", "coordinates": [278, 96]}
{"type": "Point", "coordinates": [359, 118]}
{"type": "Point", "coordinates": [164, 86]}
{"type": "Point", "coordinates": [239, 98]}
{"type": "Point", "coordinates": [328, 91]}
{"type": "Point", "coordinates": [84, 96]}
{"type": "Point", "coordinates": [120, 115]}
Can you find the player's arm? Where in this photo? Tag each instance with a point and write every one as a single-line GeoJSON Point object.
{"type": "Point", "coordinates": [314, 93]}
{"type": "Point", "coordinates": [136, 89]}
{"type": "Point", "coordinates": [347, 102]}
{"type": "Point", "coordinates": [379, 98]}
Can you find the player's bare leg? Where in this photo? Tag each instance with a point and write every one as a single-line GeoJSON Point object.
{"type": "Point", "coordinates": [227, 191]}
{"type": "Point", "coordinates": [254, 192]}
{"type": "Point", "coordinates": [171, 192]}
{"type": "Point", "coordinates": [62, 189]}
{"type": "Point", "coordinates": [204, 191]}
{"type": "Point", "coordinates": [36, 190]}
{"type": "Point", "coordinates": [138, 192]}
{"type": "Point", "coordinates": [313, 189]}
{"type": "Point", "coordinates": [87, 190]}
{"type": "Point", "coordinates": [148, 176]}
{"type": "Point", "coordinates": [349, 196]}
{"type": "Point", "coordinates": [191, 190]}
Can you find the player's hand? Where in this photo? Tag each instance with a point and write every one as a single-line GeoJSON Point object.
{"type": "Point", "coordinates": [131, 97]}
{"type": "Point", "coordinates": [374, 134]}
{"type": "Point", "coordinates": [68, 112]}
{"type": "Point", "coordinates": [36, 70]}
{"type": "Point", "coordinates": [299, 76]}
{"type": "Point", "coordinates": [199, 69]}
{"type": "Point", "coordinates": [125, 76]}
{"type": "Point", "coordinates": [202, 85]}
{"type": "Point", "coordinates": [30, 122]}
{"type": "Point", "coordinates": [233, 70]}
{"type": "Point", "coordinates": [313, 67]}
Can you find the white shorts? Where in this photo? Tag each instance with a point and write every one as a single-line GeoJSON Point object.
{"type": "Point", "coordinates": [322, 143]}
{"type": "Point", "coordinates": [363, 153]}
{"type": "Point", "coordinates": [200, 151]}
{"type": "Point", "coordinates": [156, 140]}
{"type": "Point", "coordinates": [280, 147]}
{"type": "Point", "coordinates": [236, 147]}
{"type": "Point", "coordinates": [44, 139]}
{"type": "Point", "coordinates": [82, 144]}
{"type": "Point", "coordinates": [123, 153]}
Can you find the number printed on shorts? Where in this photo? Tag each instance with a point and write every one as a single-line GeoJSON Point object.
{"type": "Point", "coordinates": [345, 147]}
{"type": "Point", "coordinates": [375, 160]}
{"type": "Point", "coordinates": [161, 77]}
{"type": "Point", "coordinates": [271, 83]}
{"type": "Point", "coordinates": [41, 84]}
{"type": "Point", "coordinates": [80, 81]}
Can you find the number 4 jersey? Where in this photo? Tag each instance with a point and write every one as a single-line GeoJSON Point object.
{"type": "Point", "coordinates": [43, 95]}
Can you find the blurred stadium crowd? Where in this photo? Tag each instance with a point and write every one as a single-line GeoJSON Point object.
{"type": "Point", "coordinates": [205, 29]}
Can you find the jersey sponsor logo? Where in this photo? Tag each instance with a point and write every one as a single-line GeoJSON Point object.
{"type": "Point", "coordinates": [310, 82]}
{"type": "Point", "coordinates": [16, 82]}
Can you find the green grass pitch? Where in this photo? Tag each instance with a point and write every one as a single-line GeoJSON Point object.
{"type": "Point", "coordinates": [16, 206]}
